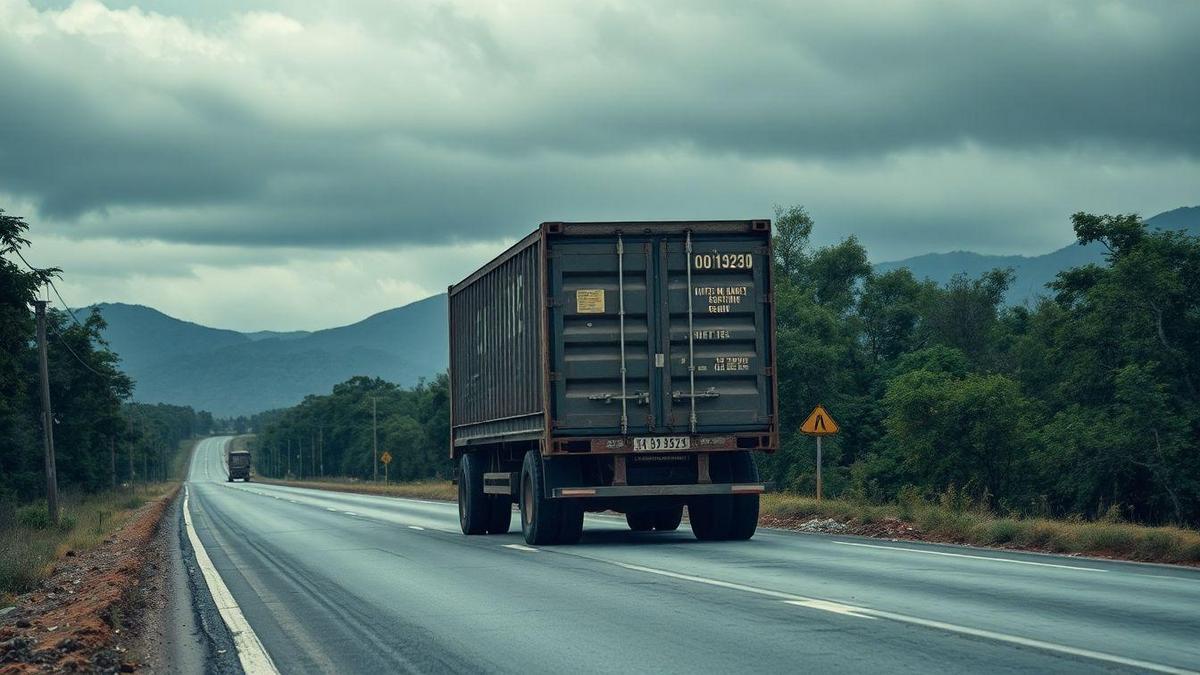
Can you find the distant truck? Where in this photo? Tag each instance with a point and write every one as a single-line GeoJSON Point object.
{"type": "Point", "coordinates": [624, 366]}
{"type": "Point", "coordinates": [239, 465]}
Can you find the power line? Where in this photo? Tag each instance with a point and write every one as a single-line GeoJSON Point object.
{"type": "Point", "coordinates": [63, 342]}
{"type": "Point", "coordinates": [49, 281]}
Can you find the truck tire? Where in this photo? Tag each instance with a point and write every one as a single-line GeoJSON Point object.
{"type": "Point", "coordinates": [541, 516]}
{"type": "Point", "coordinates": [711, 517]}
{"type": "Point", "coordinates": [641, 521]}
{"type": "Point", "coordinates": [744, 521]}
{"type": "Point", "coordinates": [499, 514]}
{"type": "Point", "coordinates": [667, 520]}
{"type": "Point", "coordinates": [472, 503]}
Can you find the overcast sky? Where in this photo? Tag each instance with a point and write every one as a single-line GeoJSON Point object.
{"type": "Point", "coordinates": [300, 164]}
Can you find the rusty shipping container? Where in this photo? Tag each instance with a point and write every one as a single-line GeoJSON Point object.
{"type": "Point", "coordinates": [626, 366]}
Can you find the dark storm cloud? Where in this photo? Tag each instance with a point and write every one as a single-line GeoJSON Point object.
{"type": "Point", "coordinates": [393, 124]}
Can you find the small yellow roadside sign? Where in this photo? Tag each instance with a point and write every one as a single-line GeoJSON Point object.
{"type": "Point", "coordinates": [819, 423]}
{"type": "Point", "coordinates": [386, 457]}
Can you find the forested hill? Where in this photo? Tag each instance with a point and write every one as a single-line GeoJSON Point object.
{"type": "Point", "coordinates": [1031, 273]}
{"type": "Point", "coordinates": [232, 373]}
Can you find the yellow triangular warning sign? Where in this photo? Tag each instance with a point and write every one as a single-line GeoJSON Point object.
{"type": "Point", "coordinates": [819, 423]}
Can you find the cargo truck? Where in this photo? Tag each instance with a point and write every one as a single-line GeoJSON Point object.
{"type": "Point", "coordinates": [621, 366]}
{"type": "Point", "coordinates": [238, 462]}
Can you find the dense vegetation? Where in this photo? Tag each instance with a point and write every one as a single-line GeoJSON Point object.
{"type": "Point", "coordinates": [1085, 403]}
{"type": "Point", "coordinates": [92, 423]}
{"type": "Point", "coordinates": [332, 435]}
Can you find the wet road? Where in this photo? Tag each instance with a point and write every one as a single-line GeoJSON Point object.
{"type": "Point", "coordinates": [333, 582]}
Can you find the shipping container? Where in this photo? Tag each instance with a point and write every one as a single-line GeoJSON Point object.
{"type": "Point", "coordinates": [624, 366]}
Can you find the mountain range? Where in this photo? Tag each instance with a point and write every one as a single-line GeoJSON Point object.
{"type": "Point", "coordinates": [1031, 273]}
{"type": "Point", "coordinates": [230, 373]}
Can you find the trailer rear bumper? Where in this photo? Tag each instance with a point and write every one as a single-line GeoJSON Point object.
{"type": "Point", "coordinates": [659, 490]}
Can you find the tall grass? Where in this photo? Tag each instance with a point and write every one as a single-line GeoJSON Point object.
{"type": "Point", "coordinates": [967, 523]}
{"type": "Point", "coordinates": [30, 544]}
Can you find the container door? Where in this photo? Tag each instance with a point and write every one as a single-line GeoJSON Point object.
{"type": "Point", "coordinates": [586, 321]}
{"type": "Point", "coordinates": [729, 339]}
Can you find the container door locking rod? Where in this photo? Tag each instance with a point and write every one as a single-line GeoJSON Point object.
{"type": "Point", "coordinates": [691, 335]}
{"type": "Point", "coordinates": [621, 320]}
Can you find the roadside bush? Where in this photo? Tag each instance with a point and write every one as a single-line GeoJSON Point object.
{"type": "Point", "coordinates": [998, 532]}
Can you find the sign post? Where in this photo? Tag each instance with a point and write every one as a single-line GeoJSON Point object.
{"type": "Point", "coordinates": [819, 423]}
{"type": "Point", "coordinates": [386, 458]}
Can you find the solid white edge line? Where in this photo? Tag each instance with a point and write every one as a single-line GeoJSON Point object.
{"type": "Point", "coordinates": [964, 555]}
{"type": "Point", "coordinates": [251, 653]}
{"type": "Point", "coordinates": [415, 527]}
{"type": "Point", "coordinates": [865, 612]}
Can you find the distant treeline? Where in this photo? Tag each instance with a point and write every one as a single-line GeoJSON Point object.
{"type": "Point", "coordinates": [88, 391]}
{"type": "Point", "coordinates": [332, 435]}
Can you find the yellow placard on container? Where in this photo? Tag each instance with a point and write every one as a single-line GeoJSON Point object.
{"type": "Point", "coordinates": [589, 300]}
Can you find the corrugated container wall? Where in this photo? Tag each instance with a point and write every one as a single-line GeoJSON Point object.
{"type": "Point", "coordinates": [495, 348]}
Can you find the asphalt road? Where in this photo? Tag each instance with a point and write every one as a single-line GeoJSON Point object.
{"type": "Point", "coordinates": [334, 582]}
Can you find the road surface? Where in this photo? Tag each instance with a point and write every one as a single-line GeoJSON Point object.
{"type": "Point", "coordinates": [334, 582]}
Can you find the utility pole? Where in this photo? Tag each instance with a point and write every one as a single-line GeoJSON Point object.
{"type": "Point", "coordinates": [374, 440]}
{"type": "Point", "coordinates": [289, 472]}
{"type": "Point", "coordinates": [321, 451]}
{"type": "Point", "coordinates": [47, 417]}
{"type": "Point", "coordinates": [112, 463]}
{"type": "Point", "coordinates": [132, 443]}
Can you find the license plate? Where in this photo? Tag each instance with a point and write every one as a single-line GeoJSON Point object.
{"type": "Point", "coordinates": [657, 443]}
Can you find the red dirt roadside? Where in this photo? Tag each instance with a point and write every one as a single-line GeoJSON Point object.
{"type": "Point", "coordinates": [85, 616]}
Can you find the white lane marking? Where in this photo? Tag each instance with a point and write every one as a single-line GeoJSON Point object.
{"type": "Point", "coordinates": [293, 501]}
{"type": "Point", "coordinates": [416, 527]}
{"type": "Point", "coordinates": [835, 607]}
{"type": "Point", "coordinates": [520, 547]}
{"type": "Point", "coordinates": [840, 608]}
{"type": "Point", "coordinates": [329, 509]}
{"type": "Point", "coordinates": [250, 650]}
{"type": "Point", "coordinates": [350, 513]}
{"type": "Point", "coordinates": [964, 555]}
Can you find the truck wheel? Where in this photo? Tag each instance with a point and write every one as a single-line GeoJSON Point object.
{"type": "Point", "coordinates": [745, 507]}
{"type": "Point", "coordinates": [499, 514]}
{"type": "Point", "coordinates": [667, 520]}
{"type": "Point", "coordinates": [711, 517]}
{"type": "Point", "coordinates": [472, 503]}
{"type": "Point", "coordinates": [640, 521]}
{"type": "Point", "coordinates": [541, 517]}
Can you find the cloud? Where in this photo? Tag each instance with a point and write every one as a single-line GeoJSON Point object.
{"type": "Point", "coordinates": [276, 127]}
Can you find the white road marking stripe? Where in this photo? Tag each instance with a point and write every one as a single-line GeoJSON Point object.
{"type": "Point", "coordinates": [520, 547]}
{"type": "Point", "coordinates": [251, 653]}
{"type": "Point", "coordinates": [835, 607]}
{"type": "Point", "coordinates": [840, 608]}
{"type": "Point", "coordinates": [350, 513]}
{"type": "Point", "coordinates": [329, 509]}
{"type": "Point", "coordinates": [415, 527]}
{"type": "Point", "coordinates": [964, 555]}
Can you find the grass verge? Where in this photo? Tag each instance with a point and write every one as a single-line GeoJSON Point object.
{"type": "Point", "coordinates": [911, 519]}
{"type": "Point", "coordinates": [934, 522]}
{"type": "Point", "coordinates": [29, 544]}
